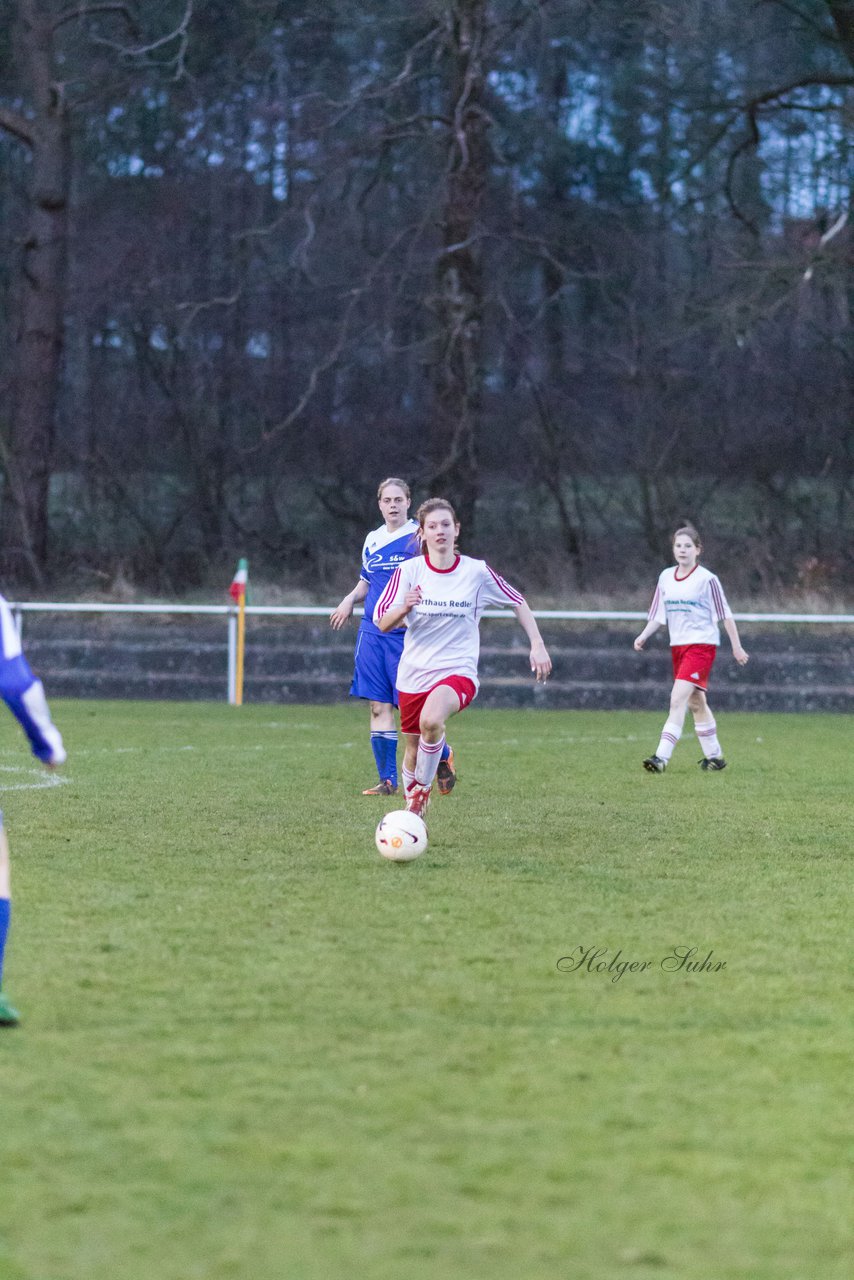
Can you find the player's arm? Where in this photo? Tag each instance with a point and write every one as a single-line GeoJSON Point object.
{"type": "Point", "coordinates": [392, 617]}
{"type": "Point", "coordinates": [740, 654]}
{"type": "Point", "coordinates": [651, 627]}
{"type": "Point", "coordinates": [541, 663]}
{"type": "Point", "coordinates": [343, 611]}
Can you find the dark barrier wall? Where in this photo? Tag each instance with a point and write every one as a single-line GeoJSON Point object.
{"type": "Point", "coordinates": [793, 667]}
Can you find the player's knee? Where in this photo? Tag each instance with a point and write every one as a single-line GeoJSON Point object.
{"type": "Point", "coordinates": [432, 726]}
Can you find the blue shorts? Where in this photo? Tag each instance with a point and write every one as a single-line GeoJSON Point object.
{"type": "Point", "coordinates": [377, 659]}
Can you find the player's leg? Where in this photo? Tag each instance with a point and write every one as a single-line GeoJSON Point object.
{"type": "Point", "coordinates": [9, 1017]}
{"type": "Point", "coordinates": [440, 704]}
{"type": "Point", "coordinates": [371, 682]}
{"type": "Point", "coordinates": [410, 756]}
{"type": "Point", "coordinates": [411, 705]}
{"type": "Point", "coordinates": [384, 746]}
{"type": "Point", "coordinates": [24, 696]}
{"type": "Point", "coordinates": [672, 731]}
{"type": "Point", "coordinates": [707, 732]}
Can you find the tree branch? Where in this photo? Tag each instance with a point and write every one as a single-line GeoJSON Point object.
{"type": "Point", "coordinates": [17, 126]}
{"type": "Point", "coordinates": [842, 13]}
{"type": "Point", "coordinates": [86, 11]}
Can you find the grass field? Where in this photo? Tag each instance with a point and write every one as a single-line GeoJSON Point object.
{"type": "Point", "coordinates": [252, 1049]}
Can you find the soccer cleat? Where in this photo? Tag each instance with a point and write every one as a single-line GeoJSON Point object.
{"type": "Point", "coordinates": [654, 764]}
{"type": "Point", "coordinates": [9, 1017]}
{"type": "Point", "coordinates": [446, 775]}
{"type": "Point", "coordinates": [417, 799]}
{"type": "Point", "coordinates": [712, 763]}
{"type": "Point", "coordinates": [384, 788]}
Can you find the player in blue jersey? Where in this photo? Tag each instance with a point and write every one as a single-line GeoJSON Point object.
{"type": "Point", "coordinates": [378, 653]}
{"type": "Point", "coordinates": [24, 696]}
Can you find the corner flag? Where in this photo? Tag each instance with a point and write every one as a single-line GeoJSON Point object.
{"type": "Point", "coordinates": [237, 591]}
{"type": "Point", "coordinates": [239, 583]}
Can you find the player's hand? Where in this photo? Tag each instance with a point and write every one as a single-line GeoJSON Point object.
{"type": "Point", "coordinates": [640, 642]}
{"type": "Point", "coordinates": [340, 616]}
{"type": "Point", "coordinates": [741, 655]}
{"type": "Point", "coordinates": [412, 599]}
{"type": "Point", "coordinates": [541, 663]}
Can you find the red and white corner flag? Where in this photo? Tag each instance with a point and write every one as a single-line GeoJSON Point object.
{"type": "Point", "coordinates": [239, 583]}
{"type": "Point", "coordinates": [237, 591]}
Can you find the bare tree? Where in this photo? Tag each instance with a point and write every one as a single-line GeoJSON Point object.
{"type": "Point", "coordinates": [459, 282]}
{"type": "Point", "coordinates": [43, 126]}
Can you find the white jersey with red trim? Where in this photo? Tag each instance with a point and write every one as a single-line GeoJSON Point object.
{"type": "Point", "coordinates": [442, 637]}
{"type": "Point", "coordinates": [692, 606]}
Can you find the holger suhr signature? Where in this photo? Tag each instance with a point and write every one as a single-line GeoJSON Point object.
{"type": "Point", "coordinates": [683, 959]}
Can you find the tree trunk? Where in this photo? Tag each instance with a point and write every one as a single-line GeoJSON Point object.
{"type": "Point", "coordinates": [41, 287]}
{"type": "Point", "coordinates": [459, 304]}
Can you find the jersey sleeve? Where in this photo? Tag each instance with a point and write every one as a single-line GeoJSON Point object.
{"type": "Point", "coordinates": [495, 591]}
{"type": "Point", "coordinates": [719, 601]}
{"type": "Point", "coordinates": [363, 572]}
{"type": "Point", "coordinates": [657, 612]}
{"type": "Point", "coordinates": [392, 597]}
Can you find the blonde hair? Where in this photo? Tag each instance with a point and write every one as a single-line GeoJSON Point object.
{"type": "Point", "coordinates": [688, 531]}
{"type": "Point", "coordinates": [401, 484]}
{"type": "Point", "coordinates": [427, 508]}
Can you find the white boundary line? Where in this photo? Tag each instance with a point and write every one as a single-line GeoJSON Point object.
{"type": "Point", "coordinates": [45, 780]}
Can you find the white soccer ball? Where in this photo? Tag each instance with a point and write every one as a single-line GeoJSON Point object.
{"type": "Point", "coordinates": [401, 836]}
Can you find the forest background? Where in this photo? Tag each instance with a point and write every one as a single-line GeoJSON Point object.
{"type": "Point", "coordinates": [583, 266]}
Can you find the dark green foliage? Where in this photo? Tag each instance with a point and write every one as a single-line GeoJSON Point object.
{"type": "Point", "coordinates": [259, 302]}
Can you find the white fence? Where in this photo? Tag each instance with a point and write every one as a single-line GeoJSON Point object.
{"type": "Point", "coordinates": [229, 612]}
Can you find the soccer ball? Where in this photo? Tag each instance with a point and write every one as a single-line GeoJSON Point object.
{"type": "Point", "coordinates": [401, 836]}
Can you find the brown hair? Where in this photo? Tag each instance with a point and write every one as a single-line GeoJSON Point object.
{"type": "Point", "coordinates": [401, 484]}
{"type": "Point", "coordinates": [688, 531]}
{"type": "Point", "coordinates": [426, 509]}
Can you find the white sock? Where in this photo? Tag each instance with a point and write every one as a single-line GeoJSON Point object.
{"type": "Point", "coordinates": [408, 779]}
{"type": "Point", "coordinates": [670, 735]}
{"type": "Point", "coordinates": [707, 736]}
{"type": "Point", "coordinates": [427, 761]}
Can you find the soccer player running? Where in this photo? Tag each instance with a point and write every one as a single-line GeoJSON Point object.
{"type": "Point", "coordinates": [378, 653]}
{"type": "Point", "coordinates": [440, 596]}
{"type": "Point", "coordinates": [24, 696]}
{"type": "Point", "coordinates": [691, 601]}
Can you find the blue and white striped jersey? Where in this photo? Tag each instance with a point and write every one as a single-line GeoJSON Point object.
{"type": "Point", "coordinates": [382, 553]}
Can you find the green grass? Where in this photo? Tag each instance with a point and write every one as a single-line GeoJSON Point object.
{"type": "Point", "coordinates": [253, 1049]}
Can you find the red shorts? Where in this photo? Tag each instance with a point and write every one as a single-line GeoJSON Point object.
{"type": "Point", "coordinates": [412, 704]}
{"type": "Point", "coordinates": [693, 662]}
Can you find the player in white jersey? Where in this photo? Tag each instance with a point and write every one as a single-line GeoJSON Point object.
{"type": "Point", "coordinates": [691, 602]}
{"type": "Point", "coordinates": [441, 596]}
{"type": "Point", "coordinates": [377, 654]}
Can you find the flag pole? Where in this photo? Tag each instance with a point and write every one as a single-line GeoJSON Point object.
{"type": "Point", "coordinates": [241, 648]}
{"type": "Point", "coordinates": [237, 592]}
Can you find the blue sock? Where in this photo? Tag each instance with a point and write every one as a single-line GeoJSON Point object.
{"type": "Point", "coordinates": [5, 912]}
{"type": "Point", "coordinates": [378, 748]}
{"type": "Point", "coordinates": [446, 751]}
{"type": "Point", "coordinates": [390, 762]}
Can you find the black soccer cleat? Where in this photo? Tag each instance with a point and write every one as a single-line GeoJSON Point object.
{"type": "Point", "coordinates": [446, 775]}
{"type": "Point", "coordinates": [715, 764]}
{"type": "Point", "coordinates": [654, 764]}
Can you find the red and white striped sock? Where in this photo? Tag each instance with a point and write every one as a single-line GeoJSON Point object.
{"type": "Point", "coordinates": [707, 736]}
{"type": "Point", "coordinates": [408, 780]}
{"type": "Point", "coordinates": [427, 761]}
{"type": "Point", "coordinates": [670, 735]}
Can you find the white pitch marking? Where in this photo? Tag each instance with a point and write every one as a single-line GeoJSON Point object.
{"type": "Point", "coordinates": [44, 779]}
